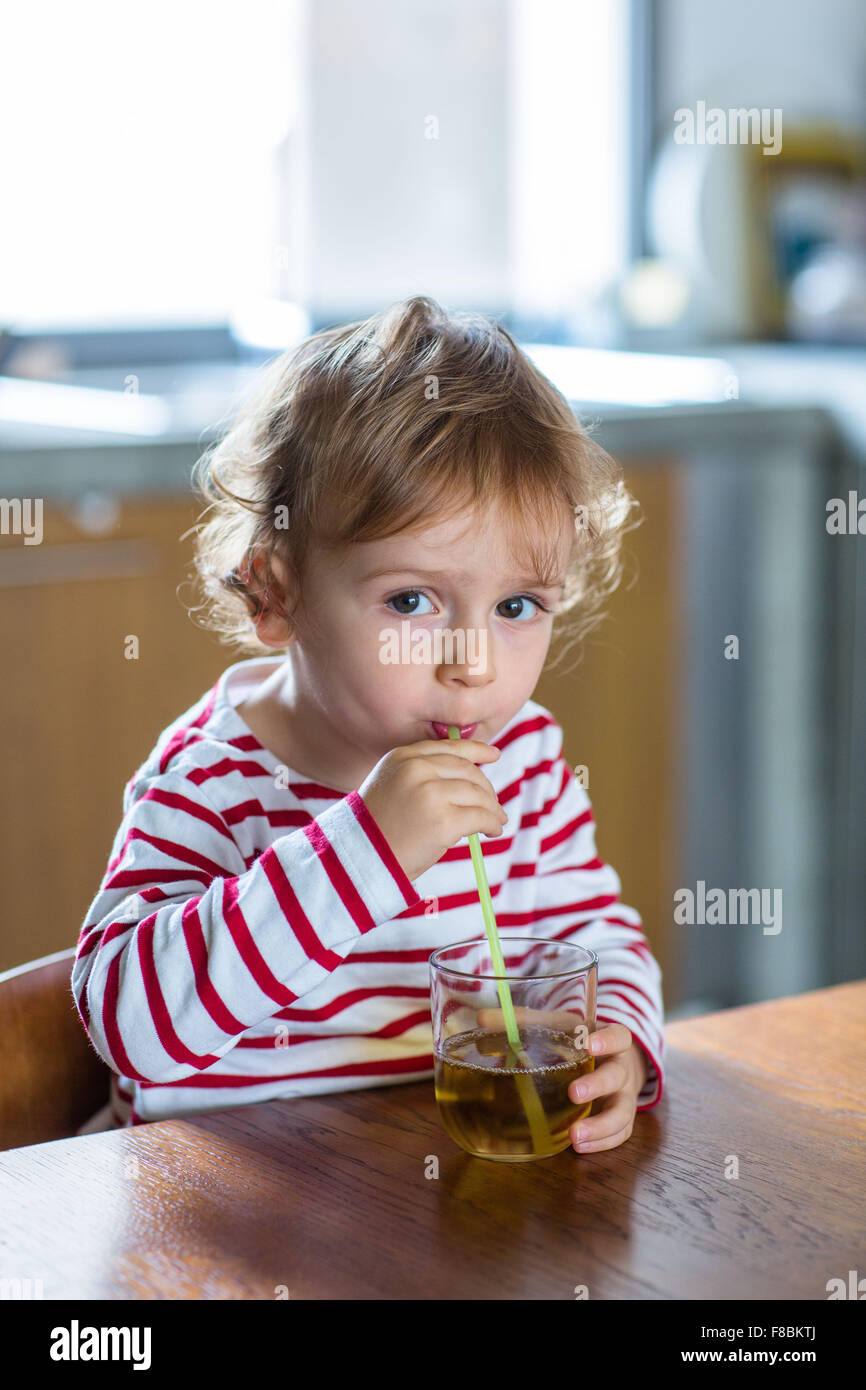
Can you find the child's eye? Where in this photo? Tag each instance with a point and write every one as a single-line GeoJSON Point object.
{"type": "Point", "coordinates": [406, 604]}
{"type": "Point", "coordinates": [521, 599]}
{"type": "Point", "coordinates": [408, 596]}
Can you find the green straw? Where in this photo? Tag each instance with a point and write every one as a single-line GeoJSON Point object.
{"type": "Point", "coordinates": [525, 1084]}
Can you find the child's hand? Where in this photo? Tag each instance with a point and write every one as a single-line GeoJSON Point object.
{"type": "Point", "coordinates": [620, 1072]}
{"type": "Point", "coordinates": [427, 796]}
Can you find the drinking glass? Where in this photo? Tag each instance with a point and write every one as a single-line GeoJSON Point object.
{"type": "Point", "coordinates": [494, 1102]}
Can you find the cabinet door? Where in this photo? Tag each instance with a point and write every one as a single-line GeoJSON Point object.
{"type": "Point", "coordinates": [620, 711]}
{"type": "Point", "coordinates": [77, 714]}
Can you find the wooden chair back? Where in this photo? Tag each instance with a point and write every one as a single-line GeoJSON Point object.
{"type": "Point", "coordinates": [51, 1079]}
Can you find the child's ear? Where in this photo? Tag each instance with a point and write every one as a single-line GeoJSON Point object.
{"type": "Point", "coordinates": [273, 627]}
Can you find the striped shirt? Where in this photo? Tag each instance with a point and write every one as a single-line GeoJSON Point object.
{"type": "Point", "coordinates": [254, 937]}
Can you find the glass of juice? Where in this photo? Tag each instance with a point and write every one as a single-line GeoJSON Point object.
{"type": "Point", "coordinates": [495, 1102]}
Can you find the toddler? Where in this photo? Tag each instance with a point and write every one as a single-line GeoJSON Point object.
{"type": "Point", "coordinates": [294, 847]}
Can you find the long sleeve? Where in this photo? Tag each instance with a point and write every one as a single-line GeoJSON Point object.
{"type": "Point", "coordinates": [577, 899]}
{"type": "Point", "coordinates": [185, 946]}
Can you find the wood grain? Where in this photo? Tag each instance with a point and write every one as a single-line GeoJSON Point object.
{"type": "Point", "coordinates": [326, 1197]}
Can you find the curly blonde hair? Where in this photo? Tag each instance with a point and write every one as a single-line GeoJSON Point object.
{"type": "Point", "coordinates": [370, 428]}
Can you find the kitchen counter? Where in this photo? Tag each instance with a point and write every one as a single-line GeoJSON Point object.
{"type": "Point", "coordinates": [139, 430]}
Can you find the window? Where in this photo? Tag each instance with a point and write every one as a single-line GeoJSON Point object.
{"type": "Point", "coordinates": [139, 158]}
{"type": "Point", "coordinates": [570, 155]}
{"type": "Point", "coordinates": [178, 163]}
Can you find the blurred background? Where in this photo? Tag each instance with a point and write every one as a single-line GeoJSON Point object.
{"type": "Point", "coordinates": [663, 200]}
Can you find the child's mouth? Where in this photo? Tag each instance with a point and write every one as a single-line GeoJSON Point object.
{"type": "Point", "coordinates": [441, 730]}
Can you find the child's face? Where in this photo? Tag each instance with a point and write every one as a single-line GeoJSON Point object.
{"type": "Point", "coordinates": [352, 693]}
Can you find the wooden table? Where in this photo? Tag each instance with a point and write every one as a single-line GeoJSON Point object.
{"type": "Point", "coordinates": [328, 1196]}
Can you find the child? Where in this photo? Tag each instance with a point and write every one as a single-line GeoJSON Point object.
{"type": "Point", "coordinates": [294, 847]}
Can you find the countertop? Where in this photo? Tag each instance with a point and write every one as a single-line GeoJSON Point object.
{"type": "Point", "coordinates": [140, 428]}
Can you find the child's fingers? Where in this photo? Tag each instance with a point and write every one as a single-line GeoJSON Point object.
{"type": "Point", "coordinates": [604, 1041]}
{"type": "Point", "coordinates": [548, 1018]}
{"type": "Point", "coordinates": [472, 749]}
{"type": "Point", "coordinates": [605, 1079]}
{"type": "Point", "coordinates": [610, 1038]}
{"type": "Point", "coordinates": [611, 1126]}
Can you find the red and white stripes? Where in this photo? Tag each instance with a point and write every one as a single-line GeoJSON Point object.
{"type": "Point", "coordinates": [251, 940]}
